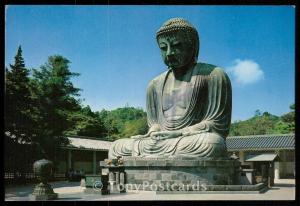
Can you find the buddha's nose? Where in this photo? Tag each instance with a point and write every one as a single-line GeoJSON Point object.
{"type": "Point", "coordinates": [170, 52]}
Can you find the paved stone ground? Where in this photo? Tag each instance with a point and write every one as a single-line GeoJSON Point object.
{"type": "Point", "coordinates": [284, 189]}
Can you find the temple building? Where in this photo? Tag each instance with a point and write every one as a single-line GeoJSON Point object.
{"type": "Point", "coordinates": [84, 153]}
{"type": "Point", "coordinates": [257, 150]}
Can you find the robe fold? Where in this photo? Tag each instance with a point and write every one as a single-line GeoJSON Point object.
{"type": "Point", "coordinates": [204, 124]}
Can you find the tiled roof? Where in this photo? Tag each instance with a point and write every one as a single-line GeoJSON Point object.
{"type": "Point", "coordinates": [261, 142]}
{"type": "Point", "coordinates": [261, 158]}
{"type": "Point", "coordinates": [88, 143]}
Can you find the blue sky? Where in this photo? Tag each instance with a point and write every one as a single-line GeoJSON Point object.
{"type": "Point", "coordinates": [115, 51]}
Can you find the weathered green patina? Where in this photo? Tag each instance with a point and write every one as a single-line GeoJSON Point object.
{"type": "Point", "coordinates": [188, 106]}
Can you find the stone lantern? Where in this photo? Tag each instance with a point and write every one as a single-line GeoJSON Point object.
{"type": "Point", "coordinates": [43, 191]}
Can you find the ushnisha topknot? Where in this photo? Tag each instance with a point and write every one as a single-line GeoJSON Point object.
{"type": "Point", "coordinates": [176, 24]}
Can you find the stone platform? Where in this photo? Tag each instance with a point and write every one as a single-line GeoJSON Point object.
{"type": "Point", "coordinates": [172, 172]}
{"type": "Point", "coordinates": [222, 189]}
{"type": "Point", "coordinates": [283, 189]}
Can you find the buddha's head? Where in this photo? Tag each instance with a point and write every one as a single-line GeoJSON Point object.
{"type": "Point", "coordinates": [178, 41]}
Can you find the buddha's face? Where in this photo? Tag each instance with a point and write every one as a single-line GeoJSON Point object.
{"type": "Point", "coordinates": [175, 49]}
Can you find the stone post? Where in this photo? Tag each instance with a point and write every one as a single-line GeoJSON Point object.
{"type": "Point", "coordinates": [122, 178]}
{"type": "Point", "coordinates": [111, 177]}
{"type": "Point", "coordinates": [117, 173]}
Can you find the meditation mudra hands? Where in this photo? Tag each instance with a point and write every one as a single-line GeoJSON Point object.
{"type": "Point", "coordinates": [158, 135]}
{"type": "Point", "coordinates": [165, 134]}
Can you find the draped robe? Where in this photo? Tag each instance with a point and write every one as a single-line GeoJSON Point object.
{"type": "Point", "coordinates": [204, 122]}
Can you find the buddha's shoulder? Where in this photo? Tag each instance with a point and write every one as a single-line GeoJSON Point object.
{"type": "Point", "coordinates": [209, 69]}
{"type": "Point", "coordinates": [157, 79]}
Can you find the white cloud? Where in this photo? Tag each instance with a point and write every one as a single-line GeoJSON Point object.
{"type": "Point", "coordinates": [246, 71]}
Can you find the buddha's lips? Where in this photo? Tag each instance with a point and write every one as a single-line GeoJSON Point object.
{"type": "Point", "coordinates": [171, 58]}
{"type": "Point", "coordinates": [172, 62]}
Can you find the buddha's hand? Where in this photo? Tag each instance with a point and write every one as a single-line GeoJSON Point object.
{"type": "Point", "coordinates": [154, 128]}
{"type": "Point", "coordinates": [138, 136]}
{"type": "Point", "coordinates": [165, 134]}
{"type": "Point", "coordinates": [141, 136]}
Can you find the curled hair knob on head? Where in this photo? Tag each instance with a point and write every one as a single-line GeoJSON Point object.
{"type": "Point", "coordinates": [176, 24]}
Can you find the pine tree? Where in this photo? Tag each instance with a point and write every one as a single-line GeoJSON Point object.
{"type": "Point", "coordinates": [18, 100]}
{"type": "Point", "coordinates": [18, 118]}
{"type": "Point", "coordinates": [55, 99]}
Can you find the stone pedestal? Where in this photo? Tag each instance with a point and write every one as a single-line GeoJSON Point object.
{"type": "Point", "coordinates": [43, 192]}
{"type": "Point", "coordinates": [162, 172]}
{"type": "Point", "coordinates": [96, 184]}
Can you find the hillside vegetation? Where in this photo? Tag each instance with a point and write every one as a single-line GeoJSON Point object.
{"type": "Point", "coordinates": [265, 123]}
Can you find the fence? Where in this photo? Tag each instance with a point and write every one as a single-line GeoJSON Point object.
{"type": "Point", "coordinates": [29, 177]}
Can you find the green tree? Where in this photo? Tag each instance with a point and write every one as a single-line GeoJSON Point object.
{"type": "Point", "coordinates": [282, 128]}
{"type": "Point", "coordinates": [124, 122]}
{"type": "Point", "coordinates": [19, 122]}
{"type": "Point", "coordinates": [56, 100]}
{"type": "Point", "coordinates": [135, 127]}
{"type": "Point", "coordinates": [86, 123]}
{"type": "Point", "coordinates": [257, 113]}
{"type": "Point", "coordinates": [110, 124]}
{"type": "Point", "coordinates": [265, 123]}
{"type": "Point", "coordinates": [286, 123]}
{"type": "Point", "coordinates": [259, 124]}
{"type": "Point", "coordinates": [18, 100]}
{"type": "Point", "coordinates": [288, 117]}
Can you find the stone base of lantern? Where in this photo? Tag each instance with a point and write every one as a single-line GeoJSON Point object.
{"type": "Point", "coordinates": [43, 192]}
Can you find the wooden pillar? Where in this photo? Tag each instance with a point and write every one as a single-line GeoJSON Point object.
{"type": "Point", "coordinates": [69, 159]}
{"type": "Point", "coordinates": [282, 172]}
{"type": "Point", "coordinates": [277, 170]}
{"type": "Point", "coordinates": [94, 163]}
{"type": "Point", "coordinates": [271, 174]}
{"type": "Point", "coordinates": [242, 157]}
